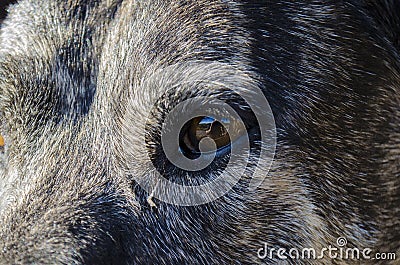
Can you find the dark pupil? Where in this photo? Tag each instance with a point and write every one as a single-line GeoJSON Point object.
{"type": "Point", "coordinates": [203, 127]}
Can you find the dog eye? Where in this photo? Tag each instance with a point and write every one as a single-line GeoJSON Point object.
{"type": "Point", "coordinates": [207, 127]}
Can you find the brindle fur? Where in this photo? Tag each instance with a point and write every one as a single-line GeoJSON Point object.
{"type": "Point", "coordinates": [69, 71]}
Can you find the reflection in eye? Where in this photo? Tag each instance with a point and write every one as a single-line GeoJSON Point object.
{"type": "Point", "coordinates": [202, 127]}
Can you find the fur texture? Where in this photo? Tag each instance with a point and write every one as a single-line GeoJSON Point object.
{"type": "Point", "coordinates": [71, 70]}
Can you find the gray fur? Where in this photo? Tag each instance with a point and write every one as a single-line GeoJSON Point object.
{"type": "Point", "coordinates": [71, 70]}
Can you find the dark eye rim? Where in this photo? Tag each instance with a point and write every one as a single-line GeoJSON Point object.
{"type": "Point", "coordinates": [161, 109]}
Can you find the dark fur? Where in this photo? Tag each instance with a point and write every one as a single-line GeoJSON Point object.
{"type": "Point", "coordinates": [329, 69]}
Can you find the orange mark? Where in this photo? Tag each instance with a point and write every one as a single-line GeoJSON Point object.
{"type": "Point", "coordinates": [1, 141]}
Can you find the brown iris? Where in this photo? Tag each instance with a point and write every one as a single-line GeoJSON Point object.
{"type": "Point", "coordinates": [202, 128]}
